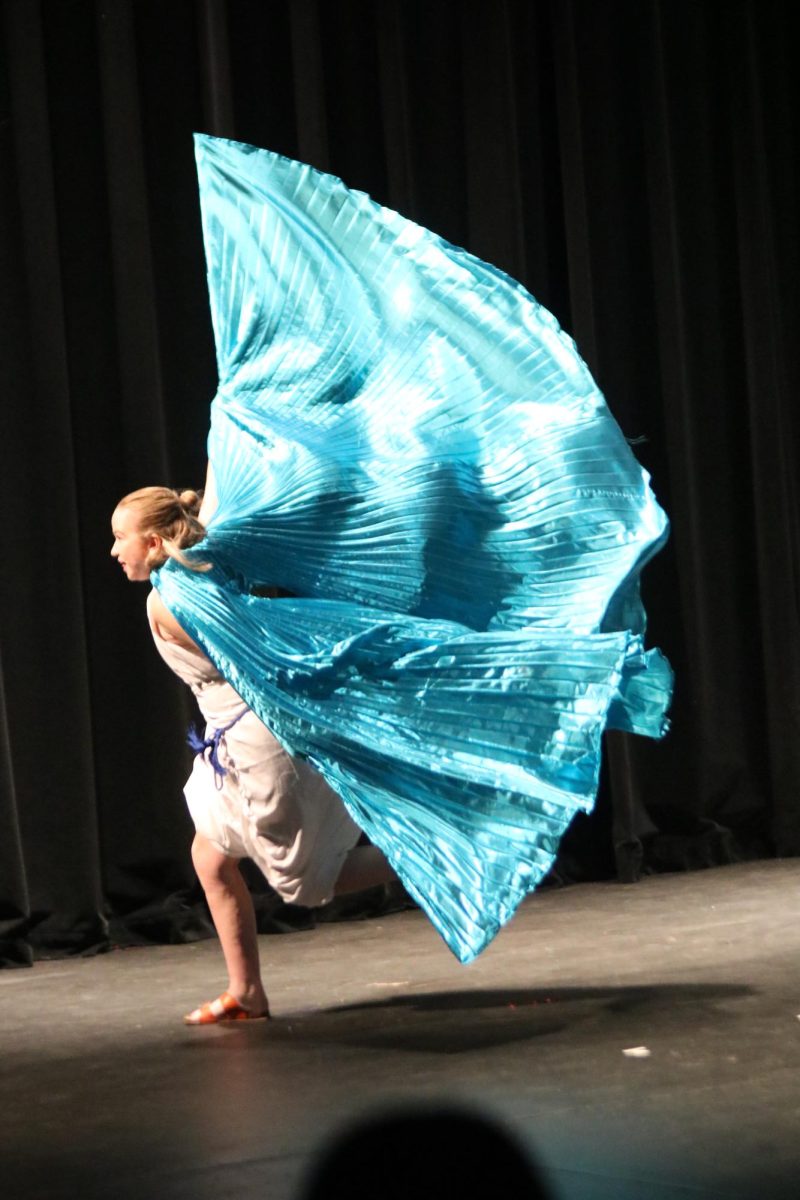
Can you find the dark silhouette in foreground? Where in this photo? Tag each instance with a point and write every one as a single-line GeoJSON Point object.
{"type": "Point", "coordinates": [443, 1152]}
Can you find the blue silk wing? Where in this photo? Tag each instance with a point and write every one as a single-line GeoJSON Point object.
{"type": "Point", "coordinates": [407, 441]}
{"type": "Point", "coordinates": [400, 424]}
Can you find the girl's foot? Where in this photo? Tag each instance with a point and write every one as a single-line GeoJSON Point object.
{"type": "Point", "coordinates": [226, 1008]}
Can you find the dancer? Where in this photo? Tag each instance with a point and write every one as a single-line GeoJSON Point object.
{"type": "Point", "coordinates": [407, 447]}
{"type": "Point", "coordinates": [247, 796]}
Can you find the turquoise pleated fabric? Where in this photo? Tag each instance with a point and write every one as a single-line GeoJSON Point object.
{"type": "Point", "coordinates": [405, 440]}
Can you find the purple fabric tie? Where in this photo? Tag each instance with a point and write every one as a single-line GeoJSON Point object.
{"type": "Point", "coordinates": [211, 744]}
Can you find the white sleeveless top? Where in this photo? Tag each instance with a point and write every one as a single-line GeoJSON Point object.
{"type": "Point", "coordinates": [216, 699]}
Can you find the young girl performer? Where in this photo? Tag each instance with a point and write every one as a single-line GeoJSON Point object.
{"type": "Point", "coordinates": [408, 450]}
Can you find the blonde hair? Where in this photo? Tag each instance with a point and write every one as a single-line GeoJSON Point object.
{"type": "Point", "coordinates": [172, 515]}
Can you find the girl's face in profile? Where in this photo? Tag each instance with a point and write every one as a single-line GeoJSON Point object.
{"type": "Point", "coordinates": [131, 547]}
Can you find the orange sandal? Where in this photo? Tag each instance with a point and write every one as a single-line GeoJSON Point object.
{"type": "Point", "coordinates": [225, 1008]}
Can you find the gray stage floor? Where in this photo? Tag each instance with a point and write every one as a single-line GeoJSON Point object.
{"type": "Point", "coordinates": [105, 1093]}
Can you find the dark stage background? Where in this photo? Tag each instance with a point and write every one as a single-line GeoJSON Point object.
{"type": "Point", "coordinates": [634, 164]}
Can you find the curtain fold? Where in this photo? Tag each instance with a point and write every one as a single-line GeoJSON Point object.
{"type": "Point", "coordinates": [634, 164]}
{"type": "Point", "coordinates": [764, 187]}
{"type": "Point", "coordinates": [15, 909]}
{"type": "Point", "coordinates": [46, 691]}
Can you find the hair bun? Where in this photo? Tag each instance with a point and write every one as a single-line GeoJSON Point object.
{"type": "Point", "coordinates": [190, 500]}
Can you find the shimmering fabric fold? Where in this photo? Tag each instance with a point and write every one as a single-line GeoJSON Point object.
{"type": "Point", "coordinates": [405, 439]}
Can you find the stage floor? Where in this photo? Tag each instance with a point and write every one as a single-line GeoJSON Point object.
{"type": "Point", "coordinates": [106, 1093]}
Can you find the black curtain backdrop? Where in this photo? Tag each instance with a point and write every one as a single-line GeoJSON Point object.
{"type": "Point", "coordinates": [633, 163]}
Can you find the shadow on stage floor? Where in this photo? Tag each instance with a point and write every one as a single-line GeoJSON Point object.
{"type": "Point", "coordinates": [475, 1021]}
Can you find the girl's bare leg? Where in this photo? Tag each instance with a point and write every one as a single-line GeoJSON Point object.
{"type": "Point", "coordinates": [234, 919]}
{"type": "Point", "coordinates": [365, 867]}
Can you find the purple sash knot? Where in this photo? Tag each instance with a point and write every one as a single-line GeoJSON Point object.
{"type": "Point", "coordinates": [201, 745]}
